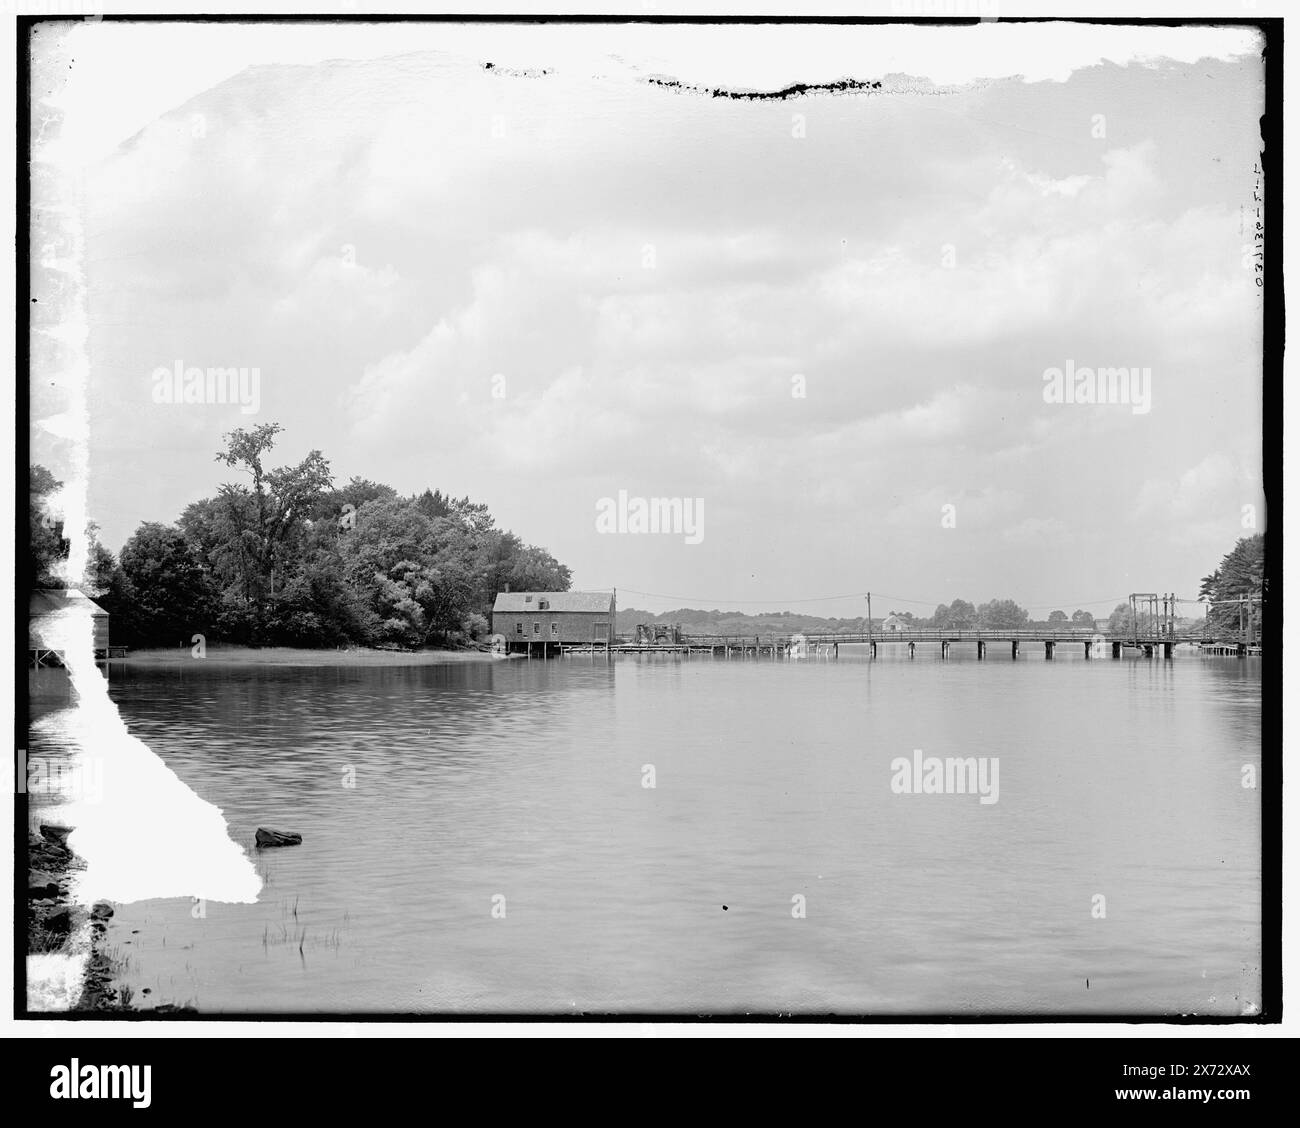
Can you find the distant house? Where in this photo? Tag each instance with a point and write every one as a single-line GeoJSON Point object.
{"type": "Point", "coordinates": [53, 618]}
{"type": "Point", "coordinates": [554, 618]}
{"type": "Point", "coordinates": [894, 623]}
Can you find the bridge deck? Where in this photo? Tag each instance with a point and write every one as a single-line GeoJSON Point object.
{"type": "Point", "coordinates": [1037, 635]}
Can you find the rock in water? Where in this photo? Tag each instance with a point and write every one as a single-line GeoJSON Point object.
{"type": "Point", "coordinates": [267, 837]}
{"type": "Point", "coordinates": [56, 834]}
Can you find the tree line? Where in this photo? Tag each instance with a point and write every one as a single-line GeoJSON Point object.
{"type": "Point", "coordinates": [1240, 575]}
{"type": "Point", "coordinates": [283, 557]}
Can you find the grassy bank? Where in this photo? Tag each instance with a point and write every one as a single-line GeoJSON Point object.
{"type": "Point", "coordinates": [294, 656]}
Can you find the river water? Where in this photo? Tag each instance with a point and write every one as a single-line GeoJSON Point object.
{"type": "Point", "coordinates": [482, 837]}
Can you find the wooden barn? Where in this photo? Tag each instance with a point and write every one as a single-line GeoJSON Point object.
{"type": "Point", "coordinates": [53, 619]}
{"type": "Point", "coordinates": [541, 621]}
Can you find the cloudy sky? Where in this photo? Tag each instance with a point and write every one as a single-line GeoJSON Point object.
{"type": "Point", "coordinates": [551, 279]}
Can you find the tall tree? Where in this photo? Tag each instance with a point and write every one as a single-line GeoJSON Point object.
{"type": "Point", "coordinates": [1239, 576]}
{"type": "Point", "coordinates": [266, 519]}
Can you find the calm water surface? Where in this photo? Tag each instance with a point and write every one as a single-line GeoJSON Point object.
{"type": "Point", "coordinates": [524, 781]}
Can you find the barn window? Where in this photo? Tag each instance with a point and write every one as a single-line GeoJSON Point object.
{"type": "Point", "coordinates": [555, 630]}
{"type": "Point", "coordinates": [519, 627]}
{"type": "Point", "coordinates": [543, 604]}
{"type": "Point", "coordinates": [537, 628]}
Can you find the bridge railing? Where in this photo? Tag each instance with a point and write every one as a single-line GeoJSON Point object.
{"type": "Point", "coordinates": [766, 640]}
{"type": "Point", "coordinates": [1040, 634]}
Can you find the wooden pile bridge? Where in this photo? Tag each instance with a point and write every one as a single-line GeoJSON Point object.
{"type": "Point", "coordinates": [819, 645]}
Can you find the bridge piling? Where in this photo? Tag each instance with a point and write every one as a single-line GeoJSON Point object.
{"type": "Point", "coordinates": [1115, 649]}
{"type": "Point", "coordinates": [1087, 651]}
{"type": "Point", "coordinates": [1048, 648]}
{"type": "Point", "coordinates": [1015, 650]}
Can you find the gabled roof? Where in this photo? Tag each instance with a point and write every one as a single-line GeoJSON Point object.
{"type": "Point", "coordinates": [48, 601]}
{"type": "Point", "coordinates": [508, 601]}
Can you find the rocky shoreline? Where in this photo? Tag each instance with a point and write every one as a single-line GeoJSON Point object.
{"type": "Point", "coordinates": [53, 920]}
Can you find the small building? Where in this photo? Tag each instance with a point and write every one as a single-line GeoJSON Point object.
{"type": "Point", "coordinates": [894, 624]}
{"type": "Point", "coordinates": [54, 622]}
{"type": "Point", "coordinates": [554, 618]}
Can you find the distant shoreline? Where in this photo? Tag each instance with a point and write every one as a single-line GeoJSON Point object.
{"type": "Point", "coordinates": [296, 656]}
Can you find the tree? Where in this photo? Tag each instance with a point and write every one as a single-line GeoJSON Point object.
{"type": "Point", "coordinates": [258, 526]}
{"type": "Point", "coordinates": [1002, 614]}
{"type": "Point", "coordinates": [1082, 618]}
{"type": "Point", "coordinates": [336, 505]}
{"type": "Point", "coordinates": [959, 616]}
{"type": "Point", "coordinates": [1240, 575]}
{"type": "Point", "coordinates": [169, 588]}
{"type": "Point", "coordinates": [963, 614]}
{"type": "Point", "coordinates": [49, 547]}
{"type": "Point", "coordinates": [1122, 621]}
{"type": "Point", "coordinates": [1057, 617]}
{"type": "Point", "coordinates": [287, 558]}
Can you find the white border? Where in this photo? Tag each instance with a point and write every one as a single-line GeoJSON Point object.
{"type": "Point", "coordinates": [1187, 9]}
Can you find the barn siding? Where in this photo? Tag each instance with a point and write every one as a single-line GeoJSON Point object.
{"type": "Point", "coordinates": [574, 627]}
{"type": "Point", "coordinates": [46, 608]}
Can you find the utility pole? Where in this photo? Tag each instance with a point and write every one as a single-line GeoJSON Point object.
{"type": "Point", "coordinates": [869, 627]}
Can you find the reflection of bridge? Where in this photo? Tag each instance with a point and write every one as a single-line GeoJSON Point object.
{"type": "Point", "coordinates": [1209, 640]}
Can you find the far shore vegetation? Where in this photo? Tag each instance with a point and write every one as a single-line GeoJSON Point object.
{"type": "Point", "coordinates": [284, 559]}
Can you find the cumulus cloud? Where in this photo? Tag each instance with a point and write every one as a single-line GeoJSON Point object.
{"type": "Point", "coordinates": [520, 286]}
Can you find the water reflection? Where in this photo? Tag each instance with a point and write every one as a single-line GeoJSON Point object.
{"type": "Point", "coordinates": [423, 793]}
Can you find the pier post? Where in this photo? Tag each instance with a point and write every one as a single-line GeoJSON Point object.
{"type": "Point", "coordinates": [1169, 651]}
{"type": "Point", "coordinates": [943, 649]}
{"type": "Point", "coordinates": [911, 650]}
{"type": "Point", "coordinates": [1087, 651]}
{"type": "Point", "coordinates": [1048, 647]}
{"type": "Point", "coordinates": [1241, 650]}
{"type": "Point", "coordinates": [837, 650]}
{"type": "Point", "coordinates": [979, 650]}
{"type": "Point", "coordinates": [873, 649]}
{"type": "Point", "coordinates": [1015, 650]}
{"type": "Point", "coordinates": [1116, 649]}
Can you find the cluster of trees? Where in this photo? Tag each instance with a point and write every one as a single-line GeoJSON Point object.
{"type": "Point", "coordinates": [698, 621]}
{"type": "Point", "coordinates": [1234, 594]}
{"type": "Point", "coordinates": [283, 557]}
{"type": "Point", "coordinates": [48, 546]}
{"type": "Point", "coordinates": [996, 614]}
{"type": "Point", "coordinates": [1240, 575]}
